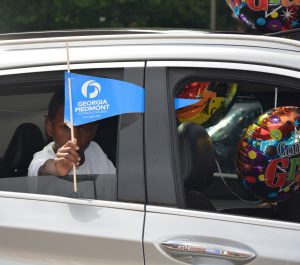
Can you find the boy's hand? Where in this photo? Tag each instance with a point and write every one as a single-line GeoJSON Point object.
{"type": "Point", "coordinates": [66, 157]}
{"type": "Point", "coordinates": [62, 164]}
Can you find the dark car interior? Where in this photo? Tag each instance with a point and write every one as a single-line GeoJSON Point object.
{"type": "Point", "coordinates": [24, 102]}
{"type": "Point", "coordinates": [210, 179]}
{"type": "Point", "coordinates": [28, 139]}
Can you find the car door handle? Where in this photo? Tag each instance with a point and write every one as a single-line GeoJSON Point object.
{"type": "Point", "coordinates": [181, 249]}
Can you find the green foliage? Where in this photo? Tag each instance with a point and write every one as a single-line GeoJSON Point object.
{"type": "Point", "coordinates": [34, 15]}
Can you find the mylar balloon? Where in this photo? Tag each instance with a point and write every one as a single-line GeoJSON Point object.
{"type": "Point", "coordinates": [268, 156]}
{"type": "Point", "coordinates": [268, 15]}
{"type": "Point", "coordinates": [215, 100]}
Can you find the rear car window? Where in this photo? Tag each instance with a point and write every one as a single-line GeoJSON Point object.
{"type": "Point", "coordinates": [228, 145]}
{"type": "Point", "coordinates": [24, 103]}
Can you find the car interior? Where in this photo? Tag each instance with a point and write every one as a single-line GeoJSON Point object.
{"type": "Point", "coordinates": [24, 103]}
{"type": "Point", "coordinates": [209, 174]}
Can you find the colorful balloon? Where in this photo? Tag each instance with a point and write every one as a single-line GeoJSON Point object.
{"type": "Point", "coordinates": [215, 100]}
{"type": "Point", "coordinates": [268, 156]}
{"type": "Point", "coordinates": [268, 15]}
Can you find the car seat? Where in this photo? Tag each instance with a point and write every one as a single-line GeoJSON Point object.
{"type": "Point", "coordinates": [26, 141]}
{"type": "Point", "coordinates": [3, 169]}
{"type": "Point", "coordinates": [197, 164]}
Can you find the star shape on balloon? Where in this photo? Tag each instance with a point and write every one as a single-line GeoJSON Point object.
{"type": "Point", "coordinates": [288, 14]}
{"type": "Point", "coordinates": [295, 23]}
{"type": "Point", "coordinates": [245, 166]}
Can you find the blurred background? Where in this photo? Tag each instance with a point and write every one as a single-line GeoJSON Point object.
{"type": "Point", "coordinates": [36, 15]}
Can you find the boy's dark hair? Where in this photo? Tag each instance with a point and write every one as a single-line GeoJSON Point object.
{"type": "Point", "coordinates": [57, 100]}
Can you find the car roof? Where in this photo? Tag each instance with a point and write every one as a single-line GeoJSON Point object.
{"type": "Point", "coordinates": [94, 32]}
{"type": "Point", "coordinates": [292, 34]}
{"type": "Point", "coordinates": [48, 48]}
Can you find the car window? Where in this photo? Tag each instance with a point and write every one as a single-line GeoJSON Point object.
{"type": "Point", "coordinates": [225, 142]}
{"type": "Point", "coordinates": [24, 100]}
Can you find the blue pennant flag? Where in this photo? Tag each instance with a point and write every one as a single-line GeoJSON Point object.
{"type": "Point", "coordinates": [96, 98]}
{"type": "Point", "coordinates": [182, 102]}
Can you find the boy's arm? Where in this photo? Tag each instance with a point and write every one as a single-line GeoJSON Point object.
{"type": "Point", "coordinates": [48, 168]}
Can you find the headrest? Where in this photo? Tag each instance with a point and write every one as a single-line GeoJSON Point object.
{"type": "Point", "coordinates": [197, 156]}
{"type": "Point", "coordinates": [26, 141]}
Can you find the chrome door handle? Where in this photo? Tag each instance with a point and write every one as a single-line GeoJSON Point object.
{"type": "Point", "coordinates": [184, 248]}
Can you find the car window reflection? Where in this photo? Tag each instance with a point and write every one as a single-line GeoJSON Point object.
{"type": "Point", "coordinates": [98, 187]}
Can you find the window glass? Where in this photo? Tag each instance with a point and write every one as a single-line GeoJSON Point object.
{"type": "Point", "coordinates": [24, 101]}
{"type": "Point", "coordinates": [237, 155]}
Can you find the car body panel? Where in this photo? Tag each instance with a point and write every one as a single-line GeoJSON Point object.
{"type": "Point", "coordinates": [272, 242]}
{"type": "Point", "coordinates": [234, 48]}
{"type": "Point", "coordinates": [56, 230]}
{"type": "Point", "coordinates": [215, 230]}
{"type": "Point", "coordinates": [226, 65]}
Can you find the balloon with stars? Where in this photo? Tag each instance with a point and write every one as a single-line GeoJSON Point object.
{"type": "Point", "coordinates": [268, 16]}
{"type": "Point", "coordinates": [268, 155]}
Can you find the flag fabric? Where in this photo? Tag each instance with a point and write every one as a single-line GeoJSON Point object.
{"type": "Point", "coordinates": [183, 102]}
{"type": "Point", "coordinates": [96, 98]}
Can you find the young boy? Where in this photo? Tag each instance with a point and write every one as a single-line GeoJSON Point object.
{"type": "Point", "coordinates": [58, 157]}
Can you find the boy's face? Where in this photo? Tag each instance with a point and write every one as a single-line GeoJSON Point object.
{"type": "Point", "coordinates": [61, 133]}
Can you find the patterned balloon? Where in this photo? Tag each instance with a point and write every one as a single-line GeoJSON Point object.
{"type": "Point", "coordinates": [215, 100]}
{"type": "Point", "coordinates": [268, 156]}
{"type": "Point", "coordinates": [268, 15]}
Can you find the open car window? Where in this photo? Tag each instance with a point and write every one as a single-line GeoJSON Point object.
{"type": "Point", "coordinates": [24, 101]}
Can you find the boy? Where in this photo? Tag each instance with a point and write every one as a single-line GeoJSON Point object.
{"type": "Point", "coordinates": [58, 157]}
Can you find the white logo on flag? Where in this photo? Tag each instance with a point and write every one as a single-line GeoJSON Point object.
{"type": "Point", "coordinates": [94, 93]}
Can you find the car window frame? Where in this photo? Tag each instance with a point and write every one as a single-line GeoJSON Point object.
{"type": "Point", "coordinates": [209, 70]}
{"type": "Point", "coordinates": [132, 72]}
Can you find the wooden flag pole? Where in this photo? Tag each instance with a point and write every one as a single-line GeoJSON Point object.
{"type": "Point", "coordinates": [71, 116]}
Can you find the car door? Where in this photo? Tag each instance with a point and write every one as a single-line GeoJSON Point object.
{"type": "Point", "coordinates": [42, 220]}
{"type": "Point", "coordinates": [237, 229]}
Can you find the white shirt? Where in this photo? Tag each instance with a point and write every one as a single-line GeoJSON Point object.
{"type": "Point", "coordinates": [96, 161]}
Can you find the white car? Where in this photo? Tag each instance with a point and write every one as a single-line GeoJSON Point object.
{"type": "Point", "coordinates": [168, 203]}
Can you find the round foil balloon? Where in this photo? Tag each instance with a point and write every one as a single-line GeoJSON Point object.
{"type": "Point", "coordinates": [268, 156]}
{"type": "Point", "coordinates": [215, 99]}
{"type": "Point", "coordinates": [268, 15]}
